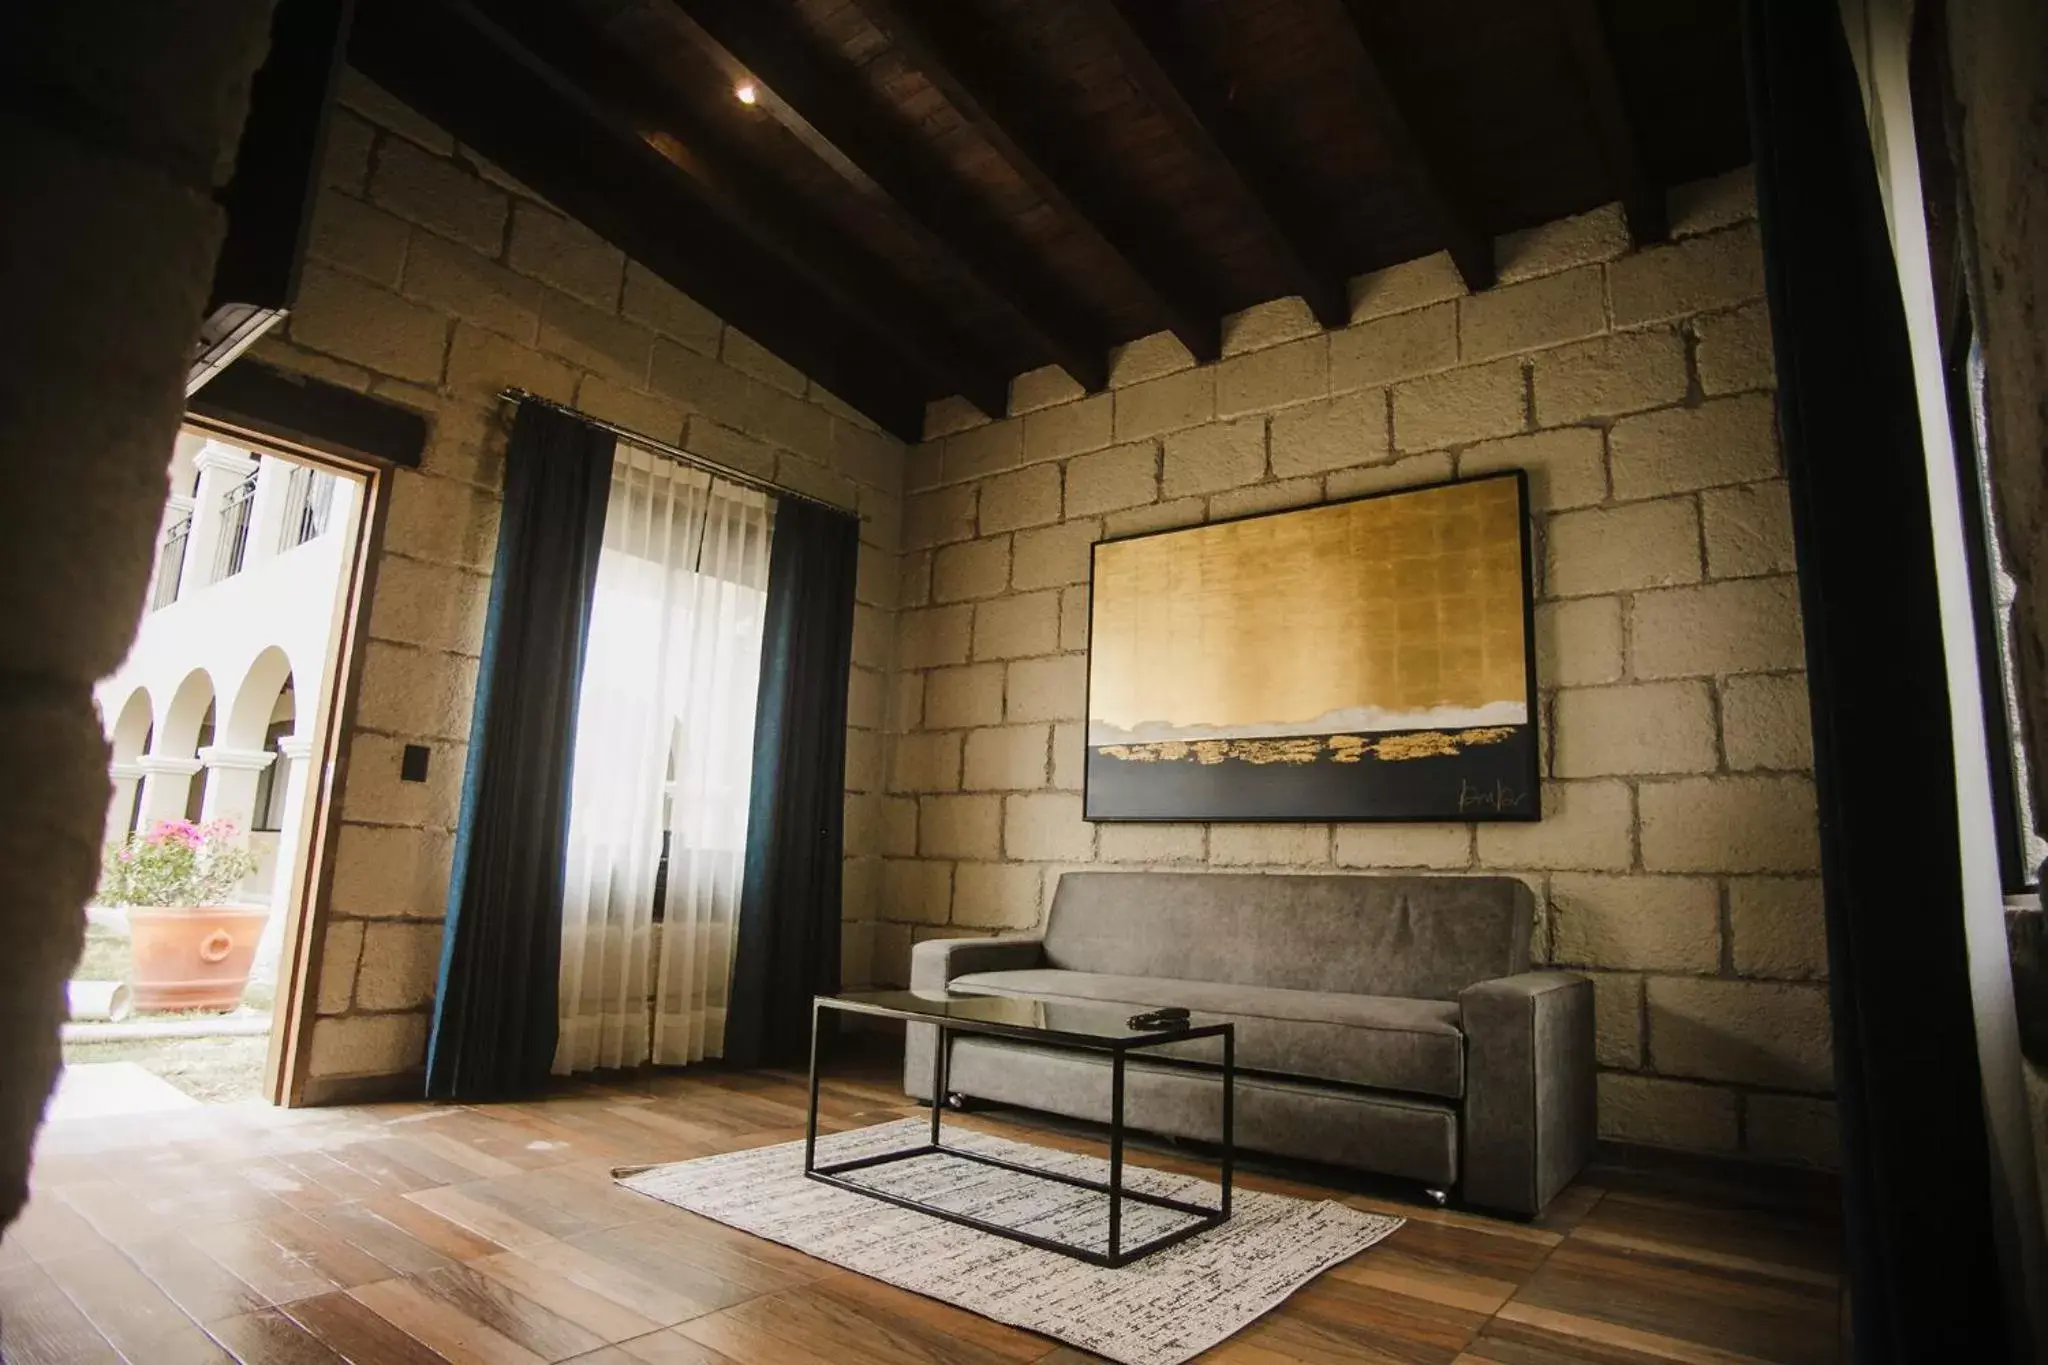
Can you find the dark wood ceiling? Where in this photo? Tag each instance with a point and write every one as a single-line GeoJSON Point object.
{"type": "Point", "coordinates": [927, 197]}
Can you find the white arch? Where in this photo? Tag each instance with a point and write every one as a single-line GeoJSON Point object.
{"type": "Point", "coordinates": [133, 726]}
{"type": "Point", "coordinates": [249, 716]}
{"type": "Point", "coordinates": [177, 730]}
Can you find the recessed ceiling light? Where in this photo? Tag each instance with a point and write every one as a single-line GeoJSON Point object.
{"type": "Point", "coordinates": [746, 93]}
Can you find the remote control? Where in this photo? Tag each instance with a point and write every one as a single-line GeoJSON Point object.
{"type": "Point", "coordinates": [1169, 1017]}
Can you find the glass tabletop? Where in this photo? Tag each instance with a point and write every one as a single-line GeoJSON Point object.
{"type": "Point", "coordinates": [1106, 1022]}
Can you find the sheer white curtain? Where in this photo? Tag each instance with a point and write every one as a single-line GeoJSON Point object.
{"type": "Point", "coordinates": [664, 749]}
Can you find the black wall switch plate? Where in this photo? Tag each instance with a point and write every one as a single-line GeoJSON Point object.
{"type": "Point", "coordinates": [412, 765]}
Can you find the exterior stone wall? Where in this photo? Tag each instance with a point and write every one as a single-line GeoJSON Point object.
{"type": "Point", "coordinates": [434, 281]}
{"type": "Point", "coordinates": [1677, 859]}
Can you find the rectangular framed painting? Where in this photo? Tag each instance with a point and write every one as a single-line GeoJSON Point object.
{"type": "Point", "coordinates": [1362, 660]}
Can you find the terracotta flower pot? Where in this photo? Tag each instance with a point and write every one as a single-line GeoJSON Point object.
{"type": "Point", "coordinates": [192, 958]}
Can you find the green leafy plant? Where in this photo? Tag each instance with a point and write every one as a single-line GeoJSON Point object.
{"type": "Point", "coordinates": [176, 863]}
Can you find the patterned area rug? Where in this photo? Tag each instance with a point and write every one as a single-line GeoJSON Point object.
{"type": "Point", "coordinates": [1159, 1311]}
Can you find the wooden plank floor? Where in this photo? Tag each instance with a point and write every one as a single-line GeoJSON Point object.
{"type": "Point", "coordinates": [417, 1234]}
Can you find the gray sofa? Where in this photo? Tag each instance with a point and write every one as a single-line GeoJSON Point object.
{"type": "Point", "coordinates": [1386, 1023]}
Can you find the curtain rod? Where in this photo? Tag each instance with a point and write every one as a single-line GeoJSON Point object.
{"type": "Point", "coordinates": [663, 448]}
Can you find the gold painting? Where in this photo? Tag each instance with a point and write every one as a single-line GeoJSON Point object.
{"type": "Point", "coordinates": [1362, 660]}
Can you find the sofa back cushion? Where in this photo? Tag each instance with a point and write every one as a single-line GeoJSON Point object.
{"type": "Point", "coordinates": [1425, 938]}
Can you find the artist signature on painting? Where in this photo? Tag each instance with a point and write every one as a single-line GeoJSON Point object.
{"type": "Point", "coordinates": [1500, 796]}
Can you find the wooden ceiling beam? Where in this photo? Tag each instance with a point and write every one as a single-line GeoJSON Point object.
{"type": "Point", "coordinates": [1642, 199]}
{"type": "Point", "coordinates": [1218, 139]}
{"type": "Point", "coordinates": [933, 42]}
{"type": "Point", "coordinates": [1390, 96]}
{"type": "Point", "coordinates": [824, 109]}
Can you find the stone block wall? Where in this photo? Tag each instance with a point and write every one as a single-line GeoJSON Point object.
{"type": "Point", "coordinates": [1676, 861]}
{"type": "Point", "coordinates": [434, 280]}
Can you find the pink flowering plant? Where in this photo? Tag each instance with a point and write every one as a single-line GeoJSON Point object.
{"type": "Point", "coordinates": [177, 862]}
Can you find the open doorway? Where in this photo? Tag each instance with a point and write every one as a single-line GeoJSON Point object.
{"type": "Point", "coordinates": [218, 725]}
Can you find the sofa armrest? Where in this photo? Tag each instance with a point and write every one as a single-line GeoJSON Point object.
{"type": "Point", "coordinates": [1529, 1114]}
{"type": "Point", "coordinates": [933, 965]}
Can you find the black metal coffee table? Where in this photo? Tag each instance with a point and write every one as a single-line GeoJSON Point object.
{"type": "Point", "coordinates": [1045, 1023]}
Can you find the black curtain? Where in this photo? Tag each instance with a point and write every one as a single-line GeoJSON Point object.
{"type": "Point", "coordinates": [501, 951]}
{"type": "Point", "coordinates": [788, 944]}
{"type": "Point", "coordinates": [1917, 1186]}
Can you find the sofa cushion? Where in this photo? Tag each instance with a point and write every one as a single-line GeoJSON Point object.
{"type": "Point", "coordinates": [1368, 1040]}
{"type": "Point", "coordinates": [1424, 938]}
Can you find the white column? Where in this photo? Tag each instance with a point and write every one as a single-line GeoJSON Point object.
{"type": "Point", "coordinates": [294, 751]}
{"type": "Point", "coordinates": [166, 783]}
{"type": "Point", "coordinates": [231, 783]}
{"type": "Point", "coordinates": [220, 469]}
{"type": "Point", "coordinates": [127, 777]}
{"type": "Point", "coordinates": [266, 509]}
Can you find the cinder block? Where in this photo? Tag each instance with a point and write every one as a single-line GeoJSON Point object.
{"type": "Point", "coordinates": [1269, 846]}
{"type": "Point", "coordinates": [1536, 313]}
{"type": "Point", "coordinates": [875, 577]}
{"type": "Point", "coordinates": [1792, 1128]}
{"type": "Point", "coordinates": [1677, 450]}
{"type": "Point", "coordinates": [1614, 549]}
{"type": "Point", "coordinates": [921, 466]}
{"type": "Point", "coordinates": [441, 520]}
{"type": "Point", "coordinates": [1767, 722]}
{"type": "Point", "coordinates": [906, 702]}
{"type": "Point", "coordinates": [933, 635]}
{"type": "Point", "coordinates": [1412, 284]}
{"type": "Point", "coordinates": [1729, 824]}
{"type": "Point", "coordinates": [1053, 556]}
{"type": "Point", "coordinates": [1578, 642]}
{"type": "Point", "coordinates": [899, 826]}
{"type": "Point", "coordinates": [960, 827]}
{"type": "Point", "coordinates": [1148, 843]}
{"type": "Point", "coordinates": [1171, 403]}
{"type": "Point", "coordinates": [1458, 406]}
{"type": "Point", "coordinates": [436, 606]}
{"type": "Point", "coordinates": [1689, 276]}
{"type": "Point", "coordinates": [1025, 497]}
{"type": "Point", "coordinates": [1211, 458]}
{"type": "Point", "coordinates": [1047, 689]}
{"type": "Point", "coordinates": [1634, 728]}
{"type": "Point", "coordinates": [861, 823]}
{"type": "Point", "coordinates": [981, 451]}
{"type": "Point", "coordinates": [1778, 928]}
{"type": "Point", "coordinates": [1748, 530]}
{"type": "Point", "coordinates": [1149, 357]}
{"type": "Point", "coordinates": [1399, 346]}
{"type": "Point", "coordinates": [368, 1045]}
{"type": "Point", "coordinates": [1044, 387]}
{"type": "Point", "coordinates": [1618, 1019]}
{"type": "Point", "coordinates": [1124, 476]}
{"type": "Point", "coordinates": [655, 303]}
{"type": "Point", "coordinates": [1749, 625]}
{"type": "Point", "coordinates": [1636, 922]}
{"type": "Point", "coordinates": [939, 517]}
{"type": "Point", "coordinates": [1567, 467]}
{"type": "Point", "coordinates": [996, 895]}
{"type": "Point", "coordinates": [1074, 605]}
{"type": "Point", "coordinates": [341, 950]}
{"type": "Point", "coordinates": [1268, 324]}
{"type": "Point", "coordinates": [1662, 1113]}
{"type": "Point", "coordinates": [1446, 847]}
{"type": "Point", "coordinates": [926, 763]}
{"type": "Point", "coordinates": [1162, 516]}
{"type": "Point", "coordinates": [1610, 376]}
{"type": "Point", "coordinates": [814, 479]}
{"type": "Point", "coordinates": [1749, 1032]}
{"type": "Point", "coordinates": [1274, 377]}
{"type": "Point", "coordinates": [353, 319]}
{"type": "Point", "coordinates": [1069, 429]}
{"type": "Point", "coordinates": [856, 954]}
{"type": "Point", "coordinates": [1586, 238]}
{"type": "Point", "coordinates": [634, 410]}
{"type": "Point", "coordinates": [1047, 827]}
{"type": "Point", "coordinates": [399, 964]}
{"type": "Point", "coordinates": [1008, 758]}
{"type": "Point", "coordinates": [353, 90]}
{"type": "Point", "coordinates": [360, 239]}
{"type": "Point", "coordinates": [1069, 755]}
{"type": "Point", "coordinates": [1712, 204]}
{"type": "Point", "coordinates": [958, 697]}
{"type": "Point", "coordinates": [1586, 826]}
{"type": "Point", "coordinates": [864, 768]}
{"type": "Point", "coordinates": [374, 794]}
{"type": "Point", "coordinates": [440, 196]}
{"type": "Point", "coordinates": [596, 340]}
{"type": "Point", "coordinates": [457, 280]}
{"type": "Point", "coordinates": [564, 253]}
{"type": "Point", "coordinates": [866, 456]}
{"type": "Point", "coordinates": [860, 891]}
{"type": "Point", "coordinates": [346, 167]}
{"type": "Point", "coordinates": [1408, 473]}
{"type": "Point", "coordinates": [890, 965]}
{"type": "Point", "coordinates": [944, 416]}
{"type": "Point", "coordinates": [971, 569]}
{"type": "Point", "coordinates": [1734, 352]}
{"type": "Point", "coordinates": [916, 892]}
{"type": "Point", "coordinates": [1265, 497]}
{"type": "Point", "coordinates": [420, 692]}
{"type": "Point", "coordinates": [1334, 433]}
{"type": "Point", "coordinates": [1017, 627]}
